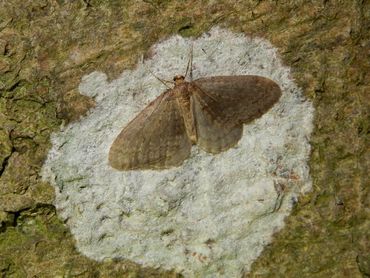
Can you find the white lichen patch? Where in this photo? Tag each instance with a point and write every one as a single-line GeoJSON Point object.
{"type": "Point", "coordinates": [210, 217]}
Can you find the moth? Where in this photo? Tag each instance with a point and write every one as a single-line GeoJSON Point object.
{"type": "Point", "coordinates": [209, 112]}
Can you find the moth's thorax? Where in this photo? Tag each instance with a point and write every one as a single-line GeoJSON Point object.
{"type": "Point", "coordinates": [182, 93]}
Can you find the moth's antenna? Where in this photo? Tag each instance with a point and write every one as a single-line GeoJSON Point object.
{"type": "Point", "coordinates": [161, 80]}
{"type": "Point", "coordinates": [190, 64]}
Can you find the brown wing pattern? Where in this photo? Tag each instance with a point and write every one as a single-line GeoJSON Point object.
{"type": "Point", "coordinates": [212, 135]}
{"type": "Point", "coordinates": [222, 104]}
{"type": "Point", "coordinates": [155, 139]}
{"type": "Point", "coordinates": [237, 99]}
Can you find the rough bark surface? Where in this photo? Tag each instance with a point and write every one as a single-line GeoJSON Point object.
{"type": "Point", "coordinates": [46, 46]}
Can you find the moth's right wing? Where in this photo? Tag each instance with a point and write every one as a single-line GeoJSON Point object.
{"type": "Point", "coordinates": [155, 139]}
{"type": "Point", "coordinates": [237, 99]}
{"type": "Point", "coordinates": [222, 104]}
{"type": "Point", "coordinates": [213, 135]}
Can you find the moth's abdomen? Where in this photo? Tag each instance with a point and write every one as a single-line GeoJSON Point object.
{"type": "Point", "coordinates": [184, 102]}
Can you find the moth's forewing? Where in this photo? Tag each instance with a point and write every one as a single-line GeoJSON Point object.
{"type": "Point", "coordinates": [223, 103]}
{"type": "Point", "coordinates": [237, 99]}
{"type": "Point", "coordinates": [155, 139]}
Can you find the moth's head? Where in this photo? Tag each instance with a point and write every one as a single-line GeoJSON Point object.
{"type": "Point", "coordinates": [179, 79]}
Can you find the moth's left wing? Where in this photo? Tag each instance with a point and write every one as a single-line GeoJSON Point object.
{"type": "Point", "coordinates": [154, 139]}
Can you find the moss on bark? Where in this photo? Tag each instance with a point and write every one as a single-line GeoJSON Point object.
{"type": "Point", "coordinates": [45, 48]}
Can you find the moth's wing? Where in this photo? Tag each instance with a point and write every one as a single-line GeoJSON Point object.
{"type": "Point", "coordinates": [237, 99]}
{"type": "Point", "coordinates": [212, 135]}
{"type": "Point", "coordinates": [155, 139]}
{"type": "Point", "coordinates": [222, 104]}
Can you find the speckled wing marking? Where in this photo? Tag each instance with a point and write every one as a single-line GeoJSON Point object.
{"type": "Point", "coordinates": [222, 104]}
{"type": "Point", "coordinates": [155, 139]}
